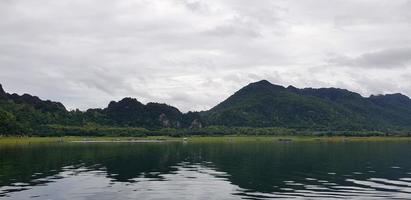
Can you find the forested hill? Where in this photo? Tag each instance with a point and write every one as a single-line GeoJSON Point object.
{"type": "Point", "coordinates": [263, 104]}
{"type": "Point", "coordinates": [27, 114]}
{"type": "Point", "coordinates": [259, 104]}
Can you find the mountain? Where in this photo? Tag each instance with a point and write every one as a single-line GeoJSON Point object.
{"type": "Point", "coordinates": [262, 104]}
{"type": "Point", "coordinates": [130, 112]}
{"type": "Point", "coordinates": [3, 94]}
{"type": "Point", "coordinates": [25, 113]}
{"type": "Point", "coordinates": [259, 104]}
{"type": "Point", "coordinates": [36, 102]}
{"type": "Point", "coordinates": [29, 114]}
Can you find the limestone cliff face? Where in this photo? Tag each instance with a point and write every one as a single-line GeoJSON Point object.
{"type": "Point", "coordinates": [165, 122]}
{"type": "Point", "coordinates": [196, 124]}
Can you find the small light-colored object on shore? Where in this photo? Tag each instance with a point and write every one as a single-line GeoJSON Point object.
{"type": "Point", "coordinates": [285, 140]}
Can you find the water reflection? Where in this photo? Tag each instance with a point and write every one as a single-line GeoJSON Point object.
{"type": "Point", "coordinates": [255, 170]}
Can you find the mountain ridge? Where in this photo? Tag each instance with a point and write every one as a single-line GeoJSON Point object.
{"type": "Point", "coordinates": [264, 104]}
{"type": "Point", "coordinates": [258, 104]}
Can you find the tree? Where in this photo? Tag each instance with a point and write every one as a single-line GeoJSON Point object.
{"type": "Point", "coordinates": [8, 123]}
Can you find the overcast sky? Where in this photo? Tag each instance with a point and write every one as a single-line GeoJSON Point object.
{"type": "Point", "coordinates": [195, 53]}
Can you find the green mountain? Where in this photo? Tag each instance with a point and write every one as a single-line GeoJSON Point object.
{"type": "Point", "coordinates": [258, 105]}
{"type": "Point", "coordinates": [262, 104]}
{"type": "Point", "coordinates": [132, 113]}
{"type": "Point", "coordinates": [27, 114]}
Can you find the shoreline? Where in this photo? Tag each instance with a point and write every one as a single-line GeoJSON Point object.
{"type": "Point", "coordinates": [117, 141]}
{"type": "Point", "coordinates": [4, 140]}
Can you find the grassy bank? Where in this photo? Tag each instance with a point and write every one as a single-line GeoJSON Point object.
{"type": "Point", "coordinates": [34, 140]}
{"type": "Point", "coordinates": [197, 139]}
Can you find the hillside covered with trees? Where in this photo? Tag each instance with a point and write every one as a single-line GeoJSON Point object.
{"type": "Point", "coordinates": [259, 108]}
{"type": "Point", "coordinates": [263, 104]}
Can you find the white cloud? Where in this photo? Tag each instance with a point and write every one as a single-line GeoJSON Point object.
{"type": "Point", "coordinates": [387, 58]}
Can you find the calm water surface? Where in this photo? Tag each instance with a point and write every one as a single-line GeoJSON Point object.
{"type": "Point", "coordinates": [227, 170]}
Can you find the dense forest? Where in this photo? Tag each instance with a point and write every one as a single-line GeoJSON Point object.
{"type": "Point", "coordinates": [260, 108]}
{"type": "Point", "coordinates": [263, 104]}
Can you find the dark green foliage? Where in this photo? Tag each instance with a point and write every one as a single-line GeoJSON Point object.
{"type": "Point", "coordinates": [127, 112]}
{"type": "Point", "coordinates": [130, 112]}
{"type": "Point", "coordinates": [28, 114]}
{"type": "Point", "coordinates": [260, 108]}
{"type": "Point", "coordinates": [91, 130]}
{"type": "Point", "coordinates": [37, 103]}
{"type": "Point", "coordinates": [263, 104]}
{"type": "Point", "coordinates": [7, 122]}
{"type": "Point", "coordinates": [189, 119]}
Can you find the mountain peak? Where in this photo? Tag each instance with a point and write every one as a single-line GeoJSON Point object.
{"type": "Point", "coordinates": [2, 93]}
{"type": "Point", "coordinates": [125, 103]}
{"type": "Point", "coordinates": [292, 88]}
{"type": "Point", "coordinates": [129, 100]}
{"type": "Point", "coordinates": [262, 82]}
{"type": "Point", "coordinates": [265, 85]}
{"type": "Point", "coordinates": [1, 90]}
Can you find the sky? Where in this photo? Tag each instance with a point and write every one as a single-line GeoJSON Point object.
{"type": "Point", "coordinates": [193, 54]}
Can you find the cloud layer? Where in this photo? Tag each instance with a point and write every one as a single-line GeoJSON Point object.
{"type": "Point", "coordinates": [195, 53]}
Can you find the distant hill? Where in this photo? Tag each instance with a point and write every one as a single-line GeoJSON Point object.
{"type": "Point", "coordinates": [259, 104]}
{"type": "Point", "coordinates": [28, 114]}
{"type": "Point", "coordinates": [262, 104]}
{"type": "Point", "coordinates": [132, 113]}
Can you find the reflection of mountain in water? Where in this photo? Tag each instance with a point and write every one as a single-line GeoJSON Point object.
{"type": "Point", "coordinates": [259, 167]}
{"type": "Point", "coordinates": [199, 181]}
{"type": "Point", "coordinates": [256, 170]}
{"type": "Point", "coordinates": [122, 162]}
{"type": "Point", "coordinates": [318, 169]}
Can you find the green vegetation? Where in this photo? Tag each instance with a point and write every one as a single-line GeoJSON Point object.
{"type": "Point", "coordinates": [331, 110]}
{"type": "Point", "coordinates": [260, 108]}
{"type": "Point", "coordinates": [15, 140]}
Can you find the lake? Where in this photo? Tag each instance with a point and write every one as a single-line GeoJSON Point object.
{"type": "Point", "coordinates": [215, 170]}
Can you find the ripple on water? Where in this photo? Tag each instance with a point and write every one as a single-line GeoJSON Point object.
{"type": "Point", "coordinates": [234, 174]}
